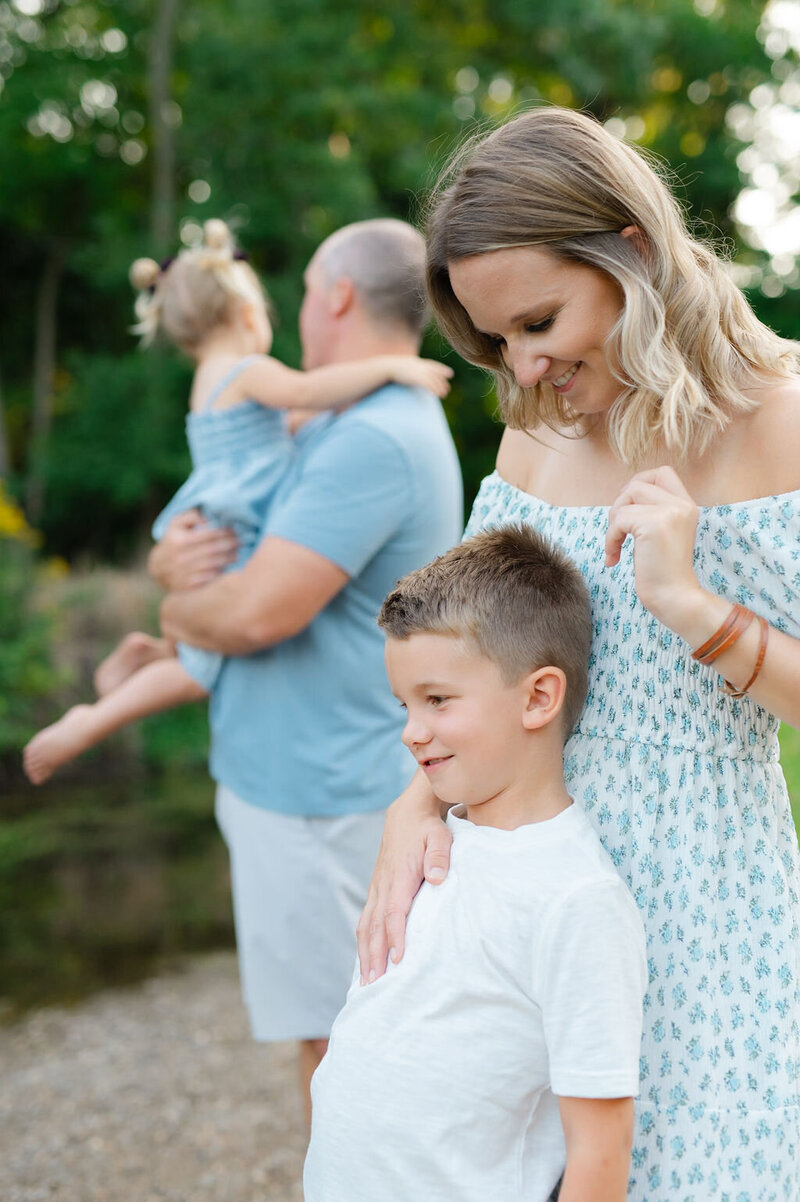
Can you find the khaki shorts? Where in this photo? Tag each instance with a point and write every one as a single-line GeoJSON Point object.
{"type": "Point", "coordinates": [299, 886]}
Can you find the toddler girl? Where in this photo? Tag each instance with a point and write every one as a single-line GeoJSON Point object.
{"type": "Point", "coordinates": [209, 303]}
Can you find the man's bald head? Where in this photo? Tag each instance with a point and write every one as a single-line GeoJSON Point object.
{"type": "Point", "coordinates": [385, 260]}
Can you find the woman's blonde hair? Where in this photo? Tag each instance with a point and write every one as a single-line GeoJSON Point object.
{"type": "Point", "coordinates": [186, 297]}
{"type": "Point", "coordinates": [687, 343]}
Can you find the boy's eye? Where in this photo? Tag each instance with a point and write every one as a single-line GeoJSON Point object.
{"type": "Point", "coordinates": [436, 700]}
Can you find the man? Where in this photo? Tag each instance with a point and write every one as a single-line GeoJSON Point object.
{"type": "Point", "coordinates": [305, 745]}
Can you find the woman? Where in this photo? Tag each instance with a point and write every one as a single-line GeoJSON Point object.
{"type": "Point", "coordinates": [644, 399]}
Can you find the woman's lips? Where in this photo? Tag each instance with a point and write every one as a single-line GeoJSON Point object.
{"type": "Point", "coordinates": [563, 383]}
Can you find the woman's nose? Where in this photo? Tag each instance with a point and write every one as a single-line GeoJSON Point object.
{"type": "Point", "coordinates": [528, 369]}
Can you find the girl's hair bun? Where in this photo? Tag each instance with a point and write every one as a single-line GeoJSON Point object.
{"type": "Point", "coordinates": [216, 235]}
{"type": "Point", "coordinates": [144, 273]}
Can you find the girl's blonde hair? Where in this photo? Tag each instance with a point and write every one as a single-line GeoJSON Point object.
{"type": "Point", "coordinates": [186, 297]}
{"type": "Point", "coordinates": [686, 341]}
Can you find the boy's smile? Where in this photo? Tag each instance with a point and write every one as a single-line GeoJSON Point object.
{"type": "Point", "coordinates": [466, 727]}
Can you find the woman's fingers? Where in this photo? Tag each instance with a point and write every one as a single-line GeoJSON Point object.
{"type": "Point", "coordinates": [655, 498]}
{"type": "Point", "coordinates": [437, 854]}
{"type": "Point", "coordinates": [663, 477]}
{"type": "Point", "coordinates": [397, 877]}
{"type": "Point", "coordinates": [620, 523]}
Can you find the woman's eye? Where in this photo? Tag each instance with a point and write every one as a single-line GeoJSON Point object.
{"type": "Point", "coordinates": [496, 340]}
{"type": "Point", "coordinates": [536, 327]}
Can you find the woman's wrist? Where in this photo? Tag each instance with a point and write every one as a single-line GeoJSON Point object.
{"type": "Point", "coordinates": [693, 613]}
{"type": "Point", "coordinates": [417, 797]}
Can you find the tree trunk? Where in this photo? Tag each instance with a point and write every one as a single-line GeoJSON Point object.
{"type": "Point", "coordinates": [5, 452]}
{"type": "Point", "coordinates": [159, 70]}
{"type": "Point", "coordinates": [44, 364]}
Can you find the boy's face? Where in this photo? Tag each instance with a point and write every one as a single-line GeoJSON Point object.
{"type": "Point", "coordinates": [464, 722]}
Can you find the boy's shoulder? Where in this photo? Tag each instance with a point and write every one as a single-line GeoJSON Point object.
{"type": "Point", "coordinates": [547, 858]}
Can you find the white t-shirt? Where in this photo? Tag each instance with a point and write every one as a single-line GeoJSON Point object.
{"type": "Point", "coordinates": [522, 979]}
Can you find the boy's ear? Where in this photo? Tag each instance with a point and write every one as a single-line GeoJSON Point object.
{"type": "Point", "coordinates": [546, 689]}
{"type": "Point", "coordinates": [341, 296]}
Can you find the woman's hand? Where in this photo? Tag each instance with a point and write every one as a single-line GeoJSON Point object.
{"type": "Point", "coordinates": [415, 847]}
{"type": "Point", "coordinates": [191, 552]}
{"type": "Point", "coordinates": [657, 511]}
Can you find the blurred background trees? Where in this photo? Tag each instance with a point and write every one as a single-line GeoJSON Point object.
{"type": "Point", "coordinates": [124, 124]}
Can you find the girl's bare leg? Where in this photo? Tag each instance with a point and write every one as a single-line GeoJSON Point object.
{"type": "Point", "coordinates": [129, 656]}
{"type": "Point", "coordinates": [160, 685]}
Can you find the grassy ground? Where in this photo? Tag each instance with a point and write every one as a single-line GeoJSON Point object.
{"type": "Point", "coordinates": [790, 759]}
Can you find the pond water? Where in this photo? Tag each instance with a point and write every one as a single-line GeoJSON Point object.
{"type": "Point", "coordinates": [101, 885]}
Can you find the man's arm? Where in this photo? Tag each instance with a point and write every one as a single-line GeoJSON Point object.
{"type": "Point", "coordinates": [278, 592]}
{"type": "Point", "coordinates": [599, 1136]}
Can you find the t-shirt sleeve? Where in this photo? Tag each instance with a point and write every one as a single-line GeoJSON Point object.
{"type": "Point", "coordinates": [352, 496]}
{"type": "Point", "coordinates": [591, 974]}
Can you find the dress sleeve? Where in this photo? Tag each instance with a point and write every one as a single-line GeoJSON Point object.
{"type": "Point", "coordinates": [750, 553]}
{"type": "Point", "coordinates": [353, 495]}
{"type": "Point", "coordinates": [591, 975]}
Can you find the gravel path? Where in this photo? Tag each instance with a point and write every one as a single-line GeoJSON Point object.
{"type": "Point", "coordinates": [150, 1094]}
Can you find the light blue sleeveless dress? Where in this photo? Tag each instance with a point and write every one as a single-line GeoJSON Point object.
{"type": "Point", "coordinates": [684, 787]}
{"type": "Point", "coordinates": [239, 456]}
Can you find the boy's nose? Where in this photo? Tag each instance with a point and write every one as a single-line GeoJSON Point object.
{"type": "Point", "coordinates": [414, 733]}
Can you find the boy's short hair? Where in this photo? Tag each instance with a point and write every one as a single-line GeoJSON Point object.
{"type": "Point", "coordinates": [518, 599]}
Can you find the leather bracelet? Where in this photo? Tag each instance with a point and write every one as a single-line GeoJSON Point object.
{"type": "Point", "coordinates": [723, 639]}
{"type": "Point", "coordinates": [730, 689]}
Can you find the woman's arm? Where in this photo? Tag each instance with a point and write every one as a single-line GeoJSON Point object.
{"type": "Point", "coordinates": [415, 847]}
{"type": "Point", "coordinates": [271, 383]}
{"type": "Point", "coordinates": [656, 510]}
{"type": "Point", "coordinates": [599, 1136]}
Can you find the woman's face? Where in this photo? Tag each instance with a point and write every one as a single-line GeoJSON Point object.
{"type": "Point", "coordinates": [549, 317]}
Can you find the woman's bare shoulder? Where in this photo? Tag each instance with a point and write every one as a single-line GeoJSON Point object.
{"type": "Point", "coordinates": [770, 436]}
{"type": "Point", "coordinates": [519, 456]}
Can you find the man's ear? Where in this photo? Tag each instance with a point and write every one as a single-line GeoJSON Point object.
{"type": "Point", "coordinates": [638, 239]}
{"type": "Point", "coordinates": [341, 296]}
{"type": "Point", "coordinates": [545, 690]}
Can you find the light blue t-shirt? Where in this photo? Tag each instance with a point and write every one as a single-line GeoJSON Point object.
{"type": "Point", "coordinates": [309, 726]}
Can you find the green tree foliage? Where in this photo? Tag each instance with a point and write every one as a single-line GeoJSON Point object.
{"type": "Point", "coordinates": [290, 119]}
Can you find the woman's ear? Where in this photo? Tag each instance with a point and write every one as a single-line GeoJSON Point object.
{"type": "Point", "coordinates": [638, 239]}
{"type": "Point", "coordinates": [545, 690]}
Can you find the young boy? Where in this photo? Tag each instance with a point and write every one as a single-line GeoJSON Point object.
{"type": "Point", "coordinates": [503, 1049]}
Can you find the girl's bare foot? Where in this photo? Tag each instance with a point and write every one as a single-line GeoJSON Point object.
{"type": "Point", "coordinates": [58, 744]}
{"type": "Point", "coordinates": [129, 656]}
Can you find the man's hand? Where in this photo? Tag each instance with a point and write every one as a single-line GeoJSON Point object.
{"type": "Point", "coordinates": [191, 552]}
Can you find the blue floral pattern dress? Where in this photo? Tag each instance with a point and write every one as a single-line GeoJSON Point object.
{"type": "Point", "coordinates": [685, 789]}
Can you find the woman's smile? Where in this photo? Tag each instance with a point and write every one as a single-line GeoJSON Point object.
{"type": "Point", "coordinates": [550, 319]}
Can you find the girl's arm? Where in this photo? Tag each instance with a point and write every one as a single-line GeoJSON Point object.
{"type": "Point", "coordinates": [271, 383]}
{"type": "Point", "coordinates": [657, 511]}
{"type": "Point", "coordinates": [415, 847]}
{"type": "Point", "coordinates": [599, 1136]}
